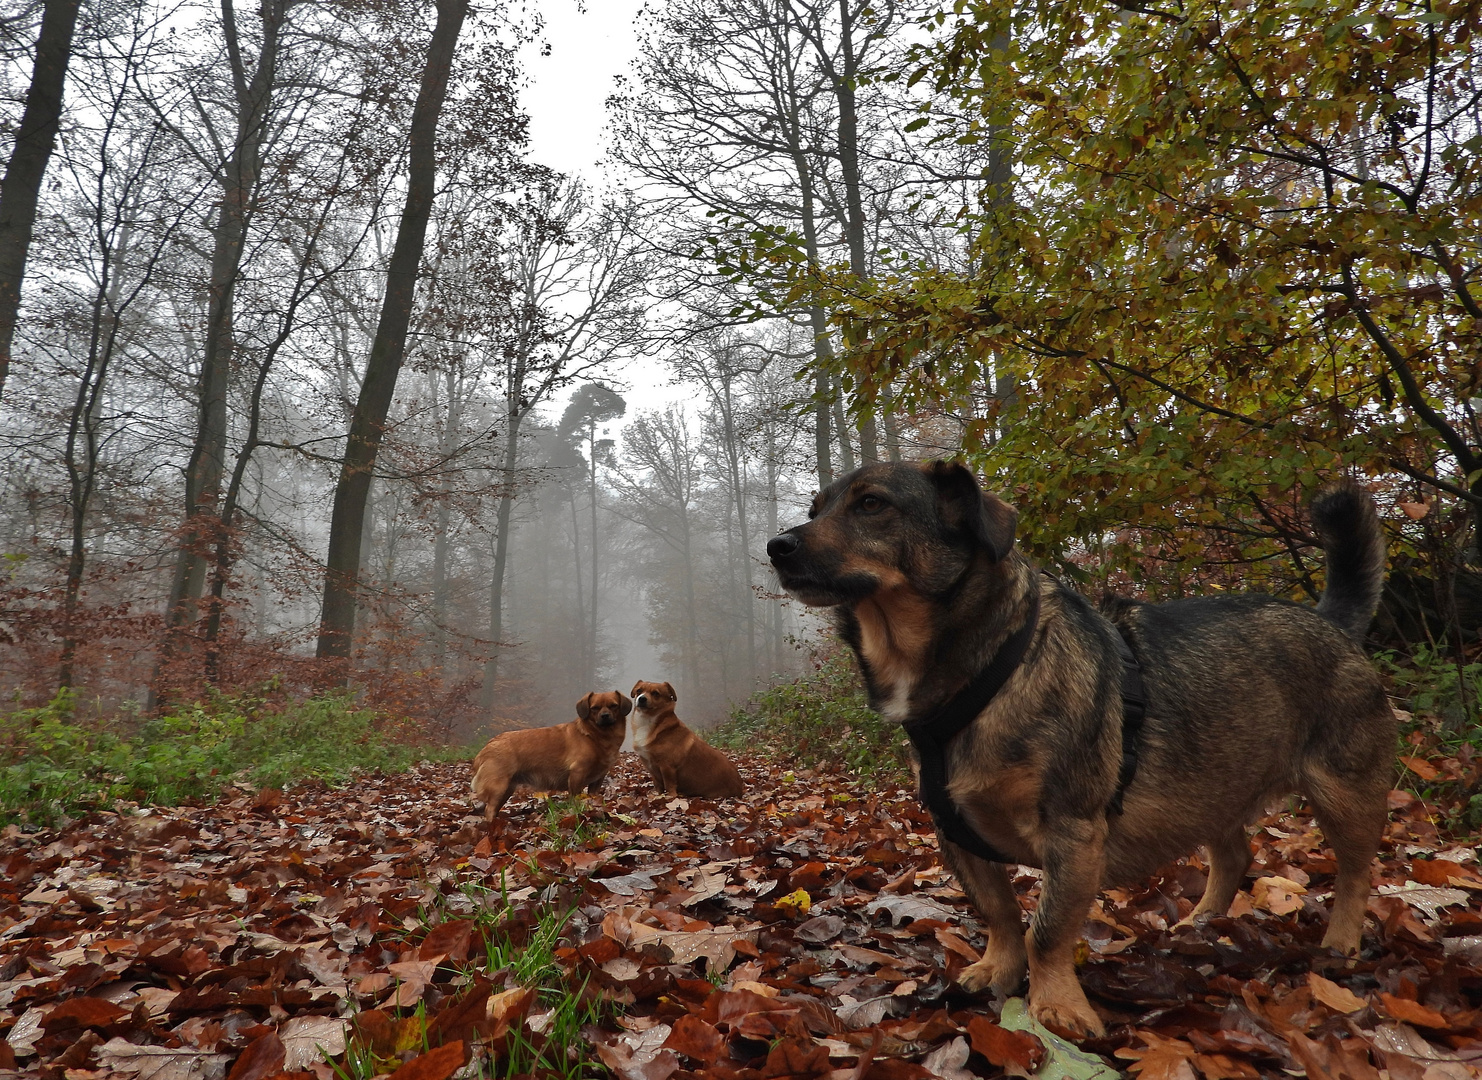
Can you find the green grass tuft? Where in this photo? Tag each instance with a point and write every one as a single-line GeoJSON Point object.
{"type": "Point", "coordinates": [54, 765]}
{"type": "Point", "coordinates": [820, 718]}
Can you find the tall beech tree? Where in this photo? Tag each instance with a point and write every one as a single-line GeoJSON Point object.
{"type": "Point", "coordinates": [34, 141]}
{"type": "Point", "coordinates": [367, 424]}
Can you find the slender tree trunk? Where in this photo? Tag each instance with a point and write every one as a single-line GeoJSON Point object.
{"type": "Point", "coordinates": [892, 424]}
{"type": "Point", "coordinates": [855, 226]}
{"type": "Point", "coordinates": [774, 609]}
{"type": "Point", "coordinates": [591, 647]}
{"type": "Point", "coordinates": [738, 489]}
{"type": "Point", "coordinates": [846, 447]}
{"type": "Point", "coordinates": [337, 628]}
{"type": "Point", "coordinates": [691, 613]}
{"type": "Point", "coordinates": [440, 540]}
{"type": "Point", "coordinates": [501, 555]}
{"type": "Point", "coordinates": [207, 464]}
{"type": "Point", "coordinates": [81, 453]}
{"type": "Point", "coordinates": [20, 190]}
{"type": "Point", "coordinates": [581, 603]}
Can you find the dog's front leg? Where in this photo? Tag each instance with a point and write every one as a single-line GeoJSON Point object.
{"type": "Point", "coordinates": [991, 893]}
{"type": "Point", "coordinates": [670, 780]}
{"type": "Point", "coordinates": [1074, 858]}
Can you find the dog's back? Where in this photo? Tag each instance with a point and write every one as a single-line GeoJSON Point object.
{"type": "Point", "coordinates": [1252, 696]}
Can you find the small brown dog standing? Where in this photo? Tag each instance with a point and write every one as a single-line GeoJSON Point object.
{"type": "Point", "coordinates": [680, 762]}
{"type": "Point", "coordinates": [1248, 698]}
{"type": "Point", "coordinates": [566, 757]}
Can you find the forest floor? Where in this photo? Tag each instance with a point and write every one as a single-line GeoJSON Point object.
{"type": "Point", "coordinates": [808, 931]}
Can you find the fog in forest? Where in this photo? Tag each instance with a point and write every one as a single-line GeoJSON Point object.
{"type": "Point", "coordinates": [252, 434]}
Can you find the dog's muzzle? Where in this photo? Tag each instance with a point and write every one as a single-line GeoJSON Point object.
{"type": "Point", "coordinates": [642, 701]}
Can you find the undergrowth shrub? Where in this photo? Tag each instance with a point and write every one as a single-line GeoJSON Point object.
{"type": "Point", "coordinates": [820, 718]}
{"type": "Point", "coordinates": [53, 764]}
{"type": "Point", "coordinates": [1440, 730]}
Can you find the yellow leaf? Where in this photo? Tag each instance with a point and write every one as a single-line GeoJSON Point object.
{"type": "Point", "coordinates": [799, 902]}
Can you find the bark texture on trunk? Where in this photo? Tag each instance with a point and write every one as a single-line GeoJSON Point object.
{"type": "Point", "coordinates": [367, 425]}
{"type": "Point", "coordinates": [20, 191]}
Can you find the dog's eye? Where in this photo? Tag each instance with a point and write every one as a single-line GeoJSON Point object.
{"type": "Point", "coordinates": [871, 504]}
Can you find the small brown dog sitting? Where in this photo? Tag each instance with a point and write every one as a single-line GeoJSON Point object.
{"type": "Point", "coordinates": [565, 757]}
{"type": "Point", "coordinates": [680, 762]}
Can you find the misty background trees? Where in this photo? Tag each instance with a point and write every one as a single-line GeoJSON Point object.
{"type": "Point", "coordinates": [317, 375]}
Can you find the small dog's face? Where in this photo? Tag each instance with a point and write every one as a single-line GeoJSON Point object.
{"type": "Point", "coordinates": [652, 697]}
{"type": "Point", "coordinates": [604, 710]}
{"type": "Point", "coordinates": [891, 526]}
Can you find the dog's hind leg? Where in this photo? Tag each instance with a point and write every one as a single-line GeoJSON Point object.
{"type": "Point", "coordinates": [1229, 859]}
{"type": "Point", "coordinates": [495, 795]}
{"type": "Point", "coordinates": [1351, 813]}
{"type": "Point", "coordinates": [989, 891]}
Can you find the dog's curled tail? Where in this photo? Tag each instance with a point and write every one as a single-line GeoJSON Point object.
{"type": "Point", "coordinates": [1353, 542]}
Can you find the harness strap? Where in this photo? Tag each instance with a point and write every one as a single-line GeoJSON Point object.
{"type": "Point", "coordinates": [931, 734]}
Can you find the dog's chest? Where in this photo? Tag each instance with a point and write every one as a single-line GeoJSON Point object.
{"type": "Point", "coordinates": [643, 729]}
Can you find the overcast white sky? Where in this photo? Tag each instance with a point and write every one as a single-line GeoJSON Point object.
{"type": "Point", "coordinates": [590, 44]}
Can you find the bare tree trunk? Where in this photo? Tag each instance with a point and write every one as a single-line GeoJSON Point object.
{"type": "Point", "coordinates": [440, 540]}
{"type": "Point", "coordinates": [581, 603]}
{"type": "Point", "coordinates": [775, 609]}
{"type": "Point", "coordinates": [738, 490]}
{"type": "Point", "coordinates": [20, 190]}
{"type": "Point", "coordinates": [591, 646]}
{"type": "Point", "coordinates": [855, 226]}
{"type": "Point", "coordinates": [82, 461]}
{"type": "Point", "coordinates": [846, 448]}
{"type": "Point", "coordinates": [337, 628]}
{"type": "Point", "coordinates": [691, 612]}
{"type": "Point", "coordinates": [501, 558]}
{"type": "Point", "coordinates": [822, 450]}
{"type": "Point", "coordinates": [207, 463]}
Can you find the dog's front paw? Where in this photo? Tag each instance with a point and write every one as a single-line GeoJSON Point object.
{"type": "Point", "coordinates": [1000, 970]}
{"type": "Point", "coordinates": [1343, 940]}
{"type": "Point", "coordinates": [1066, 1013]}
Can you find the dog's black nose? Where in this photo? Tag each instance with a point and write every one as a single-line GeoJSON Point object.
{"type": "Point", "coordinates": [782, 545]}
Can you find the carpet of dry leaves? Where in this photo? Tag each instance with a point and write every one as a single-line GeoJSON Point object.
{"type": "Point", "coordinates": [808, 931]}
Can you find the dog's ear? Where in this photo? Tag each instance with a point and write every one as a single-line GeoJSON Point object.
{"type": "Point", "coordinates": [634, 691]}
{"type": "Point", "coordinates": [668, 689]}
{"type": "Point", "coordinates": [965, 506]}
{"type": "Point", "coordinates": [625, 704]}
{"type": "Point", "coordinates": [584, 707]}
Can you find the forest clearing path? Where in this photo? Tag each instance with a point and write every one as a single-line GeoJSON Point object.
{"type": "Point", "coordinates": [807, 931]}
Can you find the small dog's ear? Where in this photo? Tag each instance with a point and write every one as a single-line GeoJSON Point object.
{"type": "Point", "coordinates": [966, 507]}
{"type": "Point", "coordinates": [584, 707]}
{"type": "Point", "coordinates": [634, 691]}
{"type": "Point", "coordinates": [625, 705]}
{"type": "Point", "coordinates": [670, 691]}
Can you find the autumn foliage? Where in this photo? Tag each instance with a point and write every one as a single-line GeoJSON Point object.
{"type": "Point", "coordinates": [810, 931]}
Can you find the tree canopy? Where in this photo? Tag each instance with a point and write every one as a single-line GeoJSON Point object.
{"type": "Point", "coordinates": [1241, 251]}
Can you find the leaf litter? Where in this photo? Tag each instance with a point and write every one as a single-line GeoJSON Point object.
{"type": "Point", "coordinates": [808, 931]}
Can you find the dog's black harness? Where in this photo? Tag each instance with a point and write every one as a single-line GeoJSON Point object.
{"type": "Point", "coordinates": [931, 734]}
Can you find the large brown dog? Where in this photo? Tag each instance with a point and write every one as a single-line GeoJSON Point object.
{"type": "Point", "coordinates": [566, 757]}
{"type": "Point", "coordinates": [680, 762]}
{"type": "Point", "coordinates": [1248, 698]}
